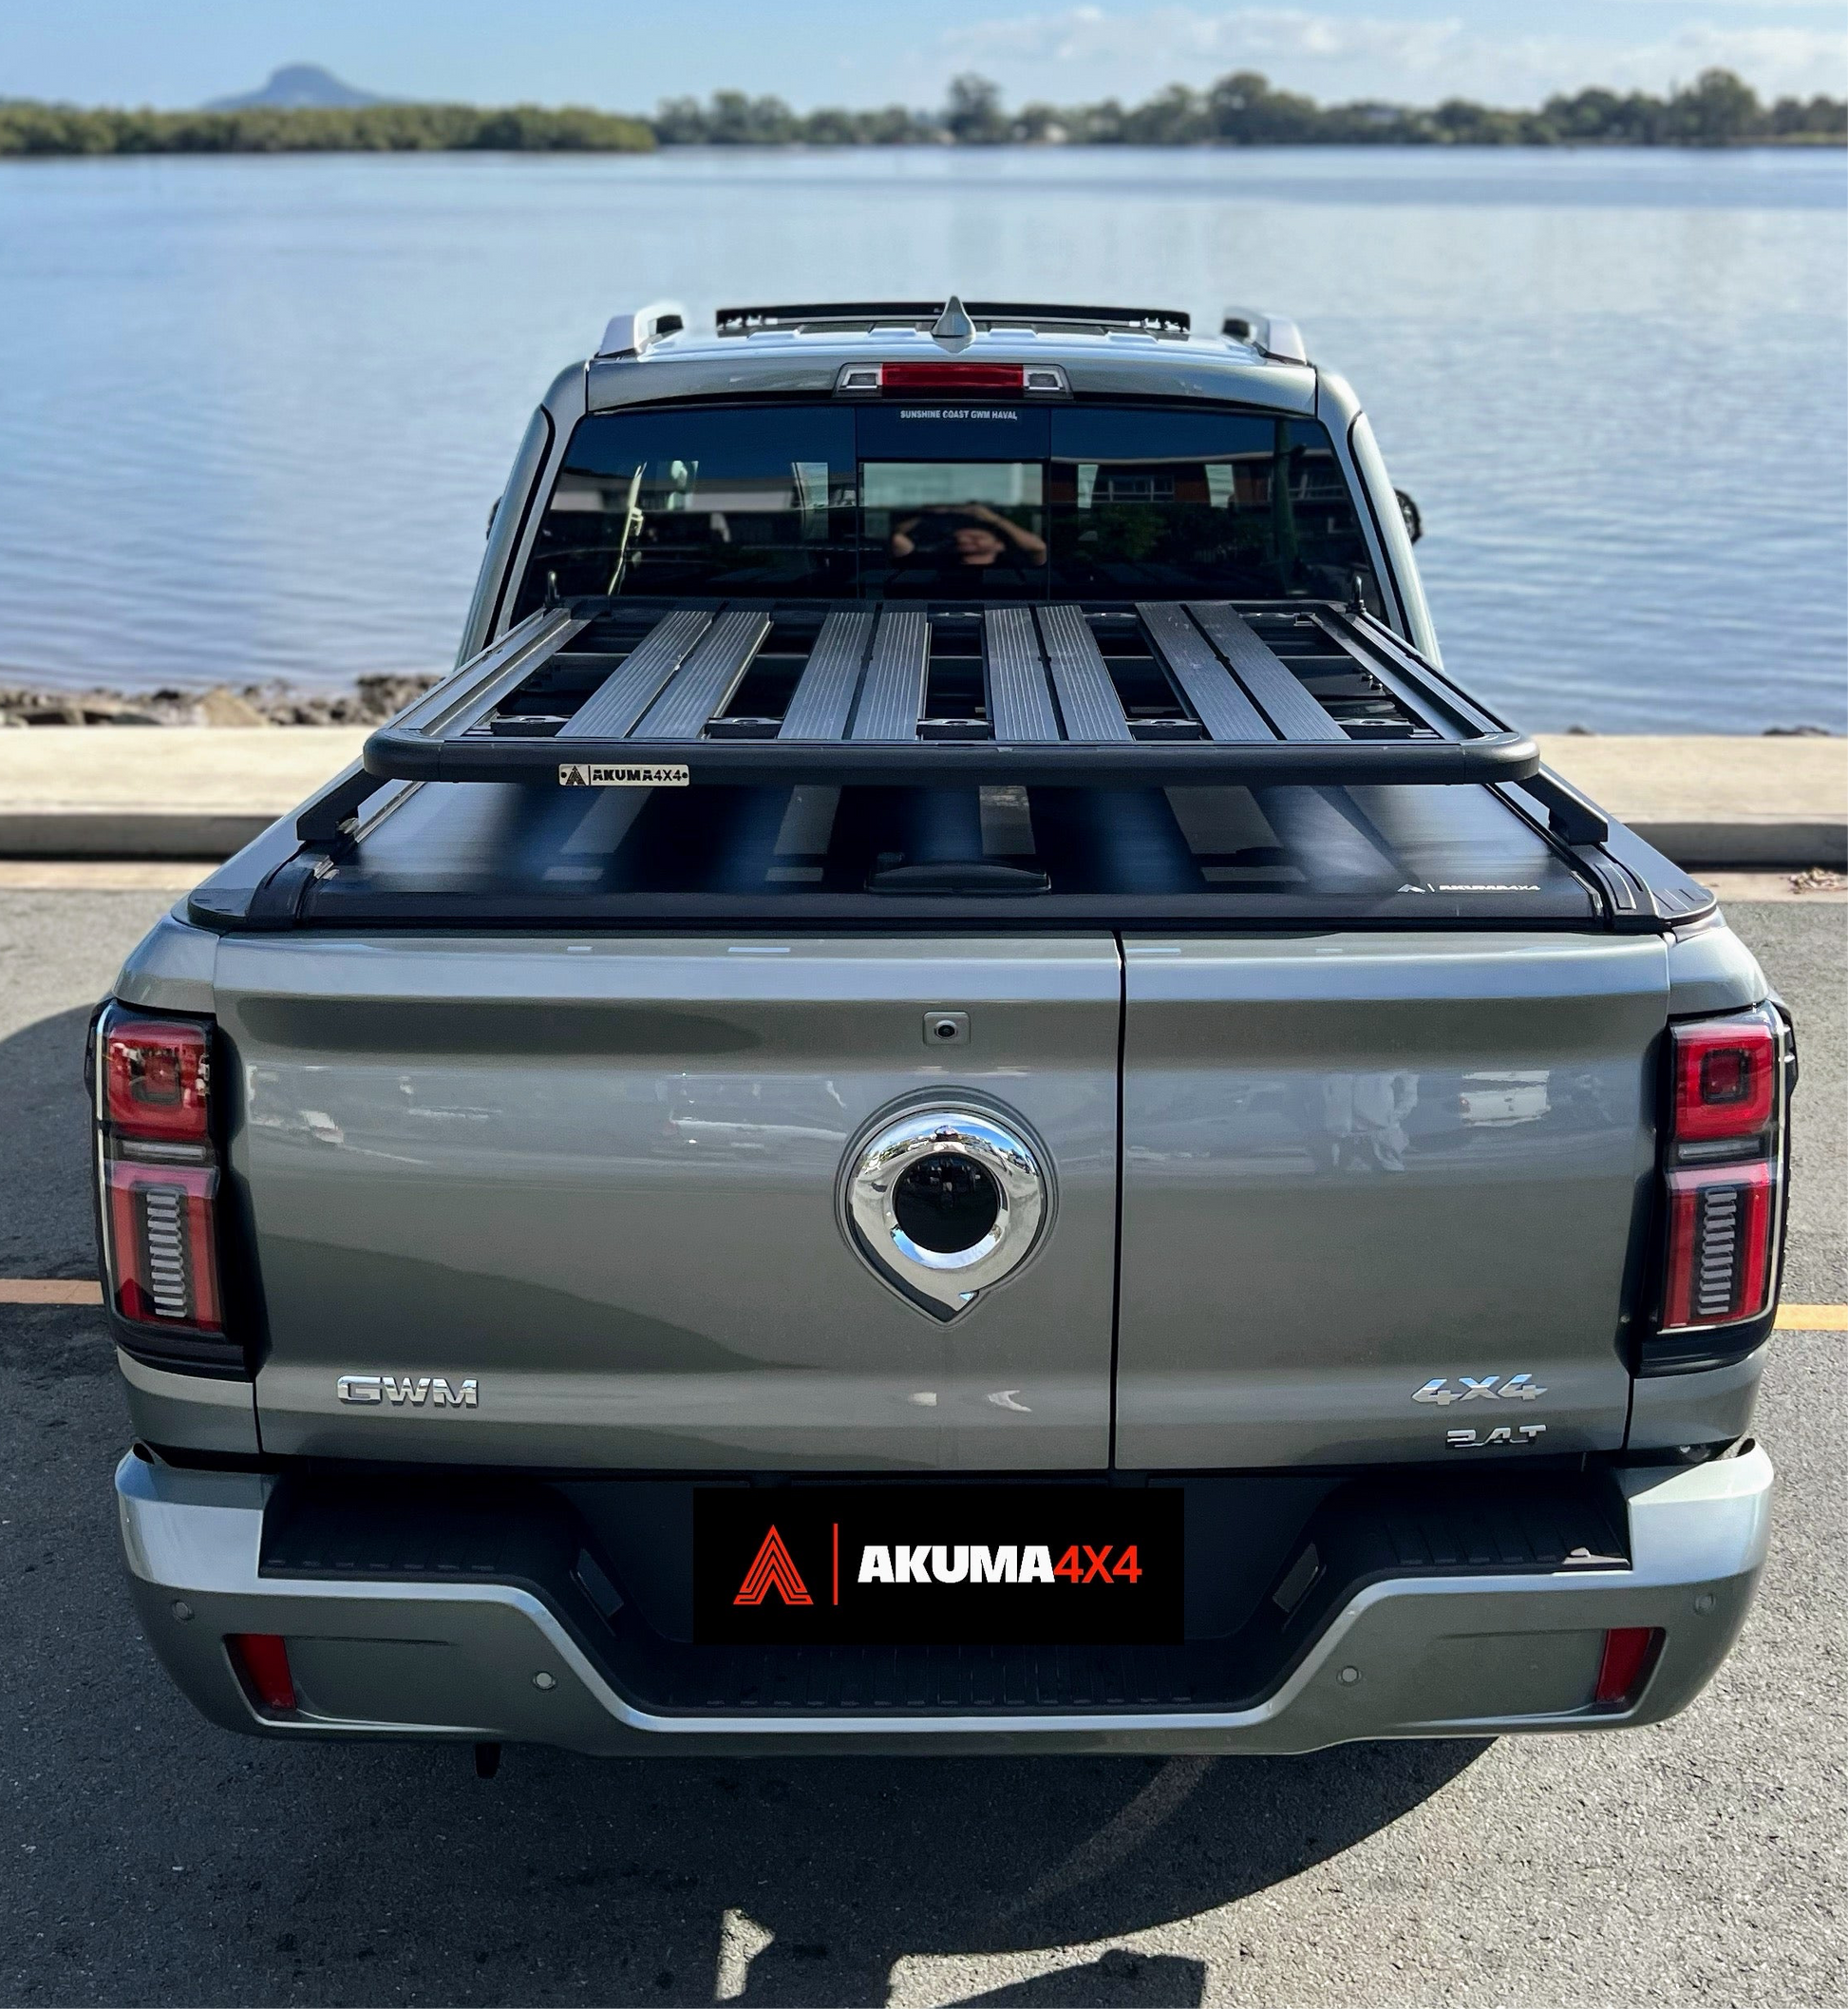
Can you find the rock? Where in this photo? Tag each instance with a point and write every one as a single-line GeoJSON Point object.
{"type": "Point", "coordinates": [221, 706]}
{"type": "Point", "coordinates": [370, 701]}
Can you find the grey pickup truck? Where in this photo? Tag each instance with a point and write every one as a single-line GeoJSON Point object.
{"type": "Point", "coordinates": [948, 1098]}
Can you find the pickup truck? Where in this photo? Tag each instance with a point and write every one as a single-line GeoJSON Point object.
{"type": "Point", "coordinates": [947, 1098]}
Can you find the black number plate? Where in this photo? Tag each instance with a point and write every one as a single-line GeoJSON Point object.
{"type": "Point", "coordinates": [938, 1564]}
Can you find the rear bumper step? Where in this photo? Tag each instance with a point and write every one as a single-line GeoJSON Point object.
{"type": "Point", "coordinates": [1469, 1643]}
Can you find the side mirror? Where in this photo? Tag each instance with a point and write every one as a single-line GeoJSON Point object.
{"type": "Point", "coordinates": [1408, 509]}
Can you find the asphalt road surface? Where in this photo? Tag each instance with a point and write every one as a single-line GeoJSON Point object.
{"type": "Point", "coordinates": [147, 1857]}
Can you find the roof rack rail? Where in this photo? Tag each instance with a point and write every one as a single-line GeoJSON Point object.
{"type": "Point", "coordinates": [860, 314]}
{"type": "Point", "coordinates": [1158, 694]}
{"type": "Point", "coordinates": [632, 335]}
{"type": "Point", "coordinates": [1271, 335]}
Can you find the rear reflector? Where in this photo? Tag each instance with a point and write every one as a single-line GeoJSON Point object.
{"type": "Point", "coordinates": [952, 377]}
{"type": "Point", "coordinates": [264, 1658]}
{"type": "Point", "coordinates": [1629, 1655]}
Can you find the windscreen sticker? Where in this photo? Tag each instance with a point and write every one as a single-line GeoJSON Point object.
{"type": "Point", "coordinates": [600, 774]}
{"type": "Point", "coordinates": [956, 411]}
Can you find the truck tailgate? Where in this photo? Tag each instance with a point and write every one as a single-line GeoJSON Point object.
{"type": "Point", "coordinates": [599, 1180]}
{"type": "Point", "coordinates": [1359, 1168]}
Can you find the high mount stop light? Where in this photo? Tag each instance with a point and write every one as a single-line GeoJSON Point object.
{"type": "Point", "coordinates": [1722, 1178]}
{"type": "Point", "coordinates": [954, 377]}
{"type": "Point", "coordinates": [157, 1164]}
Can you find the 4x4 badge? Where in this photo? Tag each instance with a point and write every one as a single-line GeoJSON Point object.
{"type": "Point", "coordinates": [1491, 1388]}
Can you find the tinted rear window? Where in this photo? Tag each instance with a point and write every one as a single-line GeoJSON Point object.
{"type": "Point", "coordinates": [949, 502]}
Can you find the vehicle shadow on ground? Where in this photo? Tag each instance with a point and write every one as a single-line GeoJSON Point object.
{"type": "Point", "coordinates": [660, 1880]}
{"type": "Point", "coordinates": [45, 1192]}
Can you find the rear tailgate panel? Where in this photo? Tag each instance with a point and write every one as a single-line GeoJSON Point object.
{"type": "Point", "coordinates": [599, 1179]}
{"type": "Point", "coordinates": [1355, 1165]}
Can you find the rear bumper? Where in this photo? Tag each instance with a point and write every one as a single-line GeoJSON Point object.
{"type": "Point", "coordinates": [1474, 1655]}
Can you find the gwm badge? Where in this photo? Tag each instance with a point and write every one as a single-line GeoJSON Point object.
{"type": "Point", "coordinates": [944, 1204]}
{"type": "Point", "coordinates": [408, 1391]}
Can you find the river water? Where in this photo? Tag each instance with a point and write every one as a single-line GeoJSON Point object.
{"type": "Point", "coordinates": [252, 412]}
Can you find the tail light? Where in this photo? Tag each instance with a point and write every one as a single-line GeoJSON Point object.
{"type": "Point", "coordinates": [158, 1188]}
{"type": "Point", "coordinates": [1722, 1178]}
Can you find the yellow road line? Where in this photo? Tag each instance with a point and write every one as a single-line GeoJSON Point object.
{"type": "Point", "coordinates": [50, 1290]}
{"type": "Point", "coordinates": [1813, 1317]}
{"type": "Point", "coordinates": [83, 875]}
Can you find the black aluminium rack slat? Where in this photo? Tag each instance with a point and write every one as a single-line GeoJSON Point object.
{"type": "Point", "coordinates": [700, 686]}
{"type": "Point", "coordinates": [1020, 701]}
{"type": "Point", "coordinates": [892, 699]}
{"type": "Point", "coordinates": [823, 699]}
{"type": "Point", "coordinates": [632, 687]}
{"type": "Point", "coordinates": [1087, 696]}
{"type": "Point", "coordinates": [1220, 704]}
{"type": "Point", "coordinates": [1054, 710]}
{"type": "Point", "coordinates": [1267, 680]}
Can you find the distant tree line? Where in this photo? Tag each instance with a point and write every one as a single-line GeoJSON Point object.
{"type": "Point", "coordinates": [27, 128]}
{"type": "Point", "coordinates": [1244, 109]}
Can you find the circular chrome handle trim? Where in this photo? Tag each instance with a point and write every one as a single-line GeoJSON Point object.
{"type": "Point", "coordinates": [949, 1280]}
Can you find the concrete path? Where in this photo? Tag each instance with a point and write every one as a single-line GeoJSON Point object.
{"type": "Point", "coordinates": [198, 792]}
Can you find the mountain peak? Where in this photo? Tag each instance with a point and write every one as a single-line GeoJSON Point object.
{"type": "Point", "coordinates": [295, 87]}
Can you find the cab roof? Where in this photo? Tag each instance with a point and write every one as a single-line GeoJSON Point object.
{"type": "Point", "coordinates": [1256, 357]}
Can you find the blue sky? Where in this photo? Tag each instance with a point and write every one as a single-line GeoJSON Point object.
{"type": "Point", "coordinates": [629, 53]}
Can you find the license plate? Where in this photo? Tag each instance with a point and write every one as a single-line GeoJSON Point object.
{"type": "Point", "coordinates": [939, 1565]}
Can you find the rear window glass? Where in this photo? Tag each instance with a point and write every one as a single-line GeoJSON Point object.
{"type": "Point", "coordinates": [948, 502]}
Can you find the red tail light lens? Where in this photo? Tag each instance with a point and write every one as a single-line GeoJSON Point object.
{"type": "Point", "coordinates": [1723, 1172]}
{"type": "Point", "coordinates": [156, 1074]}
{"type": "Point", "coordinates": [158, 1171]}
{"type": "Point", "coordinates": [1725, 1075]}
{"type": "Point", "coordinates": [264, 1660]}
{"type": "Point", "coordinates": [1719, 1245]}
{"type": "Point", "coordinates": [164, 1269]}
{"type": "Point", "coordinates": [1629, 1656]}
{"type": "Point", "coordinates": [952, 377]}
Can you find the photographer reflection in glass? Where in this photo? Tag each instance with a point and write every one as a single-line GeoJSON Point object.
{"type": "Point", "coordinates": [967, 544]}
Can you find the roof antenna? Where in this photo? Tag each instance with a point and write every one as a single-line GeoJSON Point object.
{"type": "Point", "coordinates": [953, 323]}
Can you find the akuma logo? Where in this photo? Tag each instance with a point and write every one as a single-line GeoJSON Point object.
{"type": "Point", "coordinates": [773, 1569]}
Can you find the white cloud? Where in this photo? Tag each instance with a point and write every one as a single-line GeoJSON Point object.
{"type": "Point", "coordinates": [1086, 53]}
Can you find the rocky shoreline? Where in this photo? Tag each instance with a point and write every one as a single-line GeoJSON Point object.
{"type": "Point", "coordinates": [370, 701]}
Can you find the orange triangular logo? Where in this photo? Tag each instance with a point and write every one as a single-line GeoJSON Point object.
{"type": "Point", "coordinates": [774, 1567]}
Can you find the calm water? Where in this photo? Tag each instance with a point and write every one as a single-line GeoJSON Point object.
{"type": "Point", "coordinates": [252, 412]}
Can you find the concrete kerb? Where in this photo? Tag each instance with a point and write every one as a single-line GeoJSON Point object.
{"type": "Point", "coordinates": [200, 793]}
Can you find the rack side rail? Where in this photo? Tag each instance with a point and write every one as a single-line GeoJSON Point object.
{"type": "Point", "coordinates": [1148, 695]}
